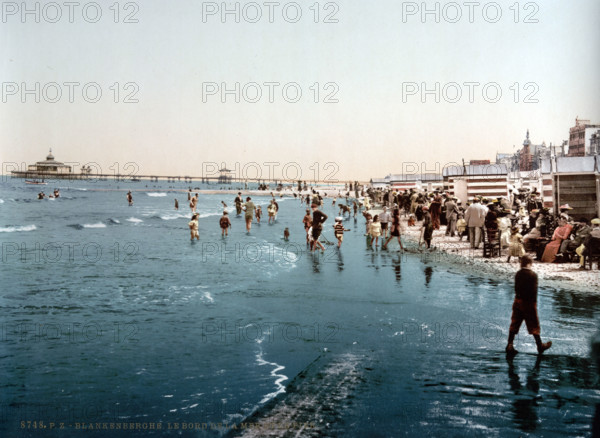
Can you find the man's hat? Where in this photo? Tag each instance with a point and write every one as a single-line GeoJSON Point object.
{"type": "Point", "coordinates": [596, 221]}
{"type": "Point", "coordinates": [339, 219]}
{"type": "Point", "coordinates": [565, 207]}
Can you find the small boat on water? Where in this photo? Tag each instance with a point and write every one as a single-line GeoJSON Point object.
{"type": "Point", "coordinates": [36, 182]}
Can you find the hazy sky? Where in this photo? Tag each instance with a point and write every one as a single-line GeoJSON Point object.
{"type": "Point", "coordinates": [372, 65]}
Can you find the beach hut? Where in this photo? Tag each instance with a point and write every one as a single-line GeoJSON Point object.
{"type": "Point", "coordinates": [575, 181]}
{"type": "Point", "coordinates": [417, 181]}
{"type": "Point", "coordinates": [468, 181]}
{"type": "Point", "coordinates": [379, 183]}
{"type": "Point", "coordinates": [546, 178]}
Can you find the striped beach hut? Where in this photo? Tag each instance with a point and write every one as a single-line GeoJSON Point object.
{"type": "Point", "coordinates": [425, 181]}
{"type": "Point", "coordinates": [546, 177]}
{"type": "Point", "coordinates": [574, 181]}
{"type": "Point", "coordinates": [379, 183]}
{"type": "Point", "coordinates": [468, 181]}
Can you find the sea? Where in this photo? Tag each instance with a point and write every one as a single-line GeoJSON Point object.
{"type": "Point", "coordinates": [114, 323]}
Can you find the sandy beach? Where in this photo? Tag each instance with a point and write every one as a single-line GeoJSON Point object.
{"type": "Point", "coordinates": [450, 250]}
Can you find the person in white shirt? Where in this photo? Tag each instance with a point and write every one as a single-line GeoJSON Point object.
{"type": "Point", "coordinates": [475, 218]}
{"type": "Point", "coordinates": [384, 218]}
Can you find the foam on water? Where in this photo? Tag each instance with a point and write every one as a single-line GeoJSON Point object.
{"type": "Point", "coordinates": [171, 216]}
{"type": "Point", "coordinates": [279, 378]}
{"type": "Point", "coordinates": [316, 395]}
{"type": "Point", "coordinates": [96, 225]}
{"type": "Point", "coordinates": [156, 194]}
{"type": "Point", "coordinates": [17, 229]}
{"type": "Point", "coordinates": [135, 220]}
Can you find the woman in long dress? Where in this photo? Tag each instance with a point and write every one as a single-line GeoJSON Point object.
{"type": "Point", "coordinates": [435, 210]}
{"type": "Point", "coordinates": [561, 233]}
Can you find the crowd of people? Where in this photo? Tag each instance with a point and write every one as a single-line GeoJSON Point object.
{"type": "Point", "coordinates": [518, 223]}
{"type": "Point", "coordinates": [514, 225]}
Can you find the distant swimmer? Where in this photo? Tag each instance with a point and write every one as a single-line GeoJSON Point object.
{"type": "Point", "coordinates": [56, 193]}
{"type": "Point", "coordinates": [338, 230]}
{"type": "Point", "coordinates": [249, 209]}
{"type": "Point", "coordinates": [176, 204]}
{"type": "Point", "coordinates": [41, 195]}
{"type": "Point", "coordinates": [224, 205]}
{"type": "Point", "coordinates": [193, 224]}
{"type": "Point", "coordinates": [129, 198]}
{"type": "Point", "coordinates": [189, 194]}
{"type": "Point", "coordinates": [258, 214]}
{"type": "Point", "coordinates": [225, 224]}
{"type": "Point", "coordinates": [286, 234]}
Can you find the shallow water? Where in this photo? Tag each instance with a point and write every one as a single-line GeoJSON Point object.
{"type": "Point", "coordinates": [111, 315]}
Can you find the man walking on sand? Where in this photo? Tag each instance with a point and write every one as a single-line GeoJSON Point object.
{"type": "Point", "coordinates": [525, 307]}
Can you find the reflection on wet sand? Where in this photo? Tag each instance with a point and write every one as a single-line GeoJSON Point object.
{"type": "Point", "coordinates": [525, 403]}
{"type": "Point", "coordinates": [575, 304]}
{"type": "Point", "coordinates": [538, 387]}
{"type": "Point", "coordinates": [428, 273]}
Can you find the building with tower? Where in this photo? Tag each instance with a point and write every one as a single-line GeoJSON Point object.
{"type": "Point", "coordinates": [580, 137]}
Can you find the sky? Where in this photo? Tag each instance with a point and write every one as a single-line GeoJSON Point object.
{"type": "Point", "coordinates": [334, 90]}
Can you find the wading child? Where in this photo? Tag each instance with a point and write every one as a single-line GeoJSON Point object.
{"type": "Point", "coordinates": [307, 221]}
{"type": "Point", "coordinates": [286, 234]}
{"type": "Point", "coordinates": [338, 230]}
{"type": "Point", "coordinates": [375, 231]}
{"type": "Point", "coordinates": [225, 224]}
{"type": "Point", "coordinates": [271, 209]}
{"type": "Point", "coordinates": [258, 214]}
{"type": "Point", "coordinates": [193, 224]}
{"type": "Point", "coordinates": [525, 308]}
